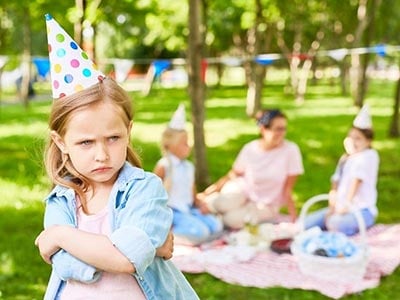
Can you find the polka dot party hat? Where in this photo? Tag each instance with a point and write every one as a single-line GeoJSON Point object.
{"type": "Point", "coordinates": [71, 69]}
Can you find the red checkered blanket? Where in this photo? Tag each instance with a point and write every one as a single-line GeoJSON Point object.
{"type": "Point", "coordinates": [247, 266]}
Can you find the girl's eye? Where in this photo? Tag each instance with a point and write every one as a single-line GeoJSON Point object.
{"type": "Point", "coordinates": [85, 143]}
{"type": "Point", "coordinates": [113, 138]}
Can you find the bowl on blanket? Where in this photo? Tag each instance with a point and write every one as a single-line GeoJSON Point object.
{"type": "Point", "coordinates": [281, 246]}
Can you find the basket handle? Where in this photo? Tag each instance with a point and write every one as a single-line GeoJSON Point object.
{"type": "Point", "coordinates": [325, 197]}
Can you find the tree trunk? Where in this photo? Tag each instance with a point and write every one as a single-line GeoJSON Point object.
{"type": "Point", "coordinates": [26, 59]}
{"type": "Point", "coordinates": [362, 79]}
{"type": "Point", "coordinates": [78, 25]}
{"type": "Point", "coordinates": [197, 91]}
{"type": "Point", "coordinates": [394, 130]}
{"type": "Point", "coordinates": [256, 78]}
{"type": "Point", "coordinates": [366, 24]}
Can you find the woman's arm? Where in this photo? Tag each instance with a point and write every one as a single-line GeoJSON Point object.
{"type": "Point", "coordinates": [288, 196]}
{"type": "Point", "coordinates": [219, 184]}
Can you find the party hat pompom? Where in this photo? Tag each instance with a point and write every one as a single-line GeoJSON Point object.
{"type": "Point", "coordinates": [178, 120]}
{"type": "Point", "coordinates": [363, 118]}
{"type": "Point", "coordinates": [71, 69]}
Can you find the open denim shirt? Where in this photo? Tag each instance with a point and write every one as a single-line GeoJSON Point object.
{"type": "Point", "coordinates": [140, 221]}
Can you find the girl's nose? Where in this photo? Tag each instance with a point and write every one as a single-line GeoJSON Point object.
{"type": "Point", "coordinates": [101, 153]}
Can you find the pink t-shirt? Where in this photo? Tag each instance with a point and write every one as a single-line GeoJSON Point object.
{"type": "Point", "coordinates": [110, 285]}
{"type": "Point", "coordinates": [265, 171]}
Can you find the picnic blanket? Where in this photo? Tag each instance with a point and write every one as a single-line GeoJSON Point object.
{"type": "Point", "coordinates": [249, 266]}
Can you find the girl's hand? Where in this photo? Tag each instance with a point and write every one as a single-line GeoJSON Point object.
{"type": "Point", "coordinates": [46, 243]}
{"type": "Point", "coordinates": [167, 249]}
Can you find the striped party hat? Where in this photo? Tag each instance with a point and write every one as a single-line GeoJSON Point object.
{"type": "Point", "coordinates": [70, 67]}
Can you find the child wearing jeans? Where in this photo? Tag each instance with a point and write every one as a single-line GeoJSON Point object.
{"type": "Point", "coordinates": [191, 220]}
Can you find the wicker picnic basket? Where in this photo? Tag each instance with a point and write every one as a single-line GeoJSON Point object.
{"type": "Point", "coordinates": [338, 269]}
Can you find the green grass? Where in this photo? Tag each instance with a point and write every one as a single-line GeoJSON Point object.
{"type": "Point", "coordinates": [318, 126]}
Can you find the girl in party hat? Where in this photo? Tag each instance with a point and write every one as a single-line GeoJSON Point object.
{"type": "Point", "coordinates": [107, 222]}
{"type": "Point", "coordinates": [191, 221]}
{"type": "Point", "coordinates": [353, 183]}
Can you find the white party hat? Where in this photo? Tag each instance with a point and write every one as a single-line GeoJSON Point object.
{"type": "Point", "coordinates": [178, 120]}
{"type": "Point", "coordinates": [363, 118]}
{"type": "Point", "coordinates": [70, 67]}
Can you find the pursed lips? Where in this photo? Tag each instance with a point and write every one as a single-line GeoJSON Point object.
{"type": "Point", "coordinates": [101, 169]}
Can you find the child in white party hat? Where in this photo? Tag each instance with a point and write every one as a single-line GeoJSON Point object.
{"type": "Point", "coordinates": [107, 223]}
{"type": "Point", "coordinates": [191, 221]}
{"type": "Point", "coordinates": [354, 183]}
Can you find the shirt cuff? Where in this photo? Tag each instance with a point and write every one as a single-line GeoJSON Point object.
{"type": "Point", "coordinates": [135, 244]}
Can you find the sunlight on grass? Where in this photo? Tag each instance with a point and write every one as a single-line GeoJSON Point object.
{"type": "Point", "coordinates": [6, 264]}
{"type": "Point", "coordinates": [386, 145]}
{"type": "Point", "coordinates": [18, 196]}
{"type": "Point", "coordinates": [36, 129]}
{"type": "Point", "coordinates": [147, 133]}
{"type": "Point", "coordinates": [314, 144]}
{"type": "Point", "coordinates": [219, 132]}
{"type": "Point", "coordinates": [224, 102]}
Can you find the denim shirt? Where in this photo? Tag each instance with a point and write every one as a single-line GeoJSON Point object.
{"type": "Point", "coordinates": [140, 221]}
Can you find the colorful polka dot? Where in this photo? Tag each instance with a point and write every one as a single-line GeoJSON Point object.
{"type": "Point", "coordinates": [74, 63]}
{"type": "Point", "coordinates": [84, 55]}
{"type": "Point", "coordinates": [68, 78]}
{"type": "Point", "coordinates": [56, 84]}
{"type": "Point", "coordinates": [61, 52]}
{"type": "Point", "coordinates": [78, 88]}
{"type": "Point", "coordinates": [49, 47]}
{"type": "Point", "coordinates": [57, 68]}
{"type": "Point", "coordinates": [60, 37]}
{"type": "Point", "coordinates": [86, 72]}
{"type": "Point", "coordinates": [73, 45]}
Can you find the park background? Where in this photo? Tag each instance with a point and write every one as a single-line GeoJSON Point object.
{"type": "Point", "coordinates": [319, 61]}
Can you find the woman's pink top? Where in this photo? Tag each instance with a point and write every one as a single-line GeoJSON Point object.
{"type": "Point", "coordinates": [110, 285]}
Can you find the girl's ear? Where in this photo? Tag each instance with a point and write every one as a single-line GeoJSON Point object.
{"type": "Point", "coordinates": [57, 139]}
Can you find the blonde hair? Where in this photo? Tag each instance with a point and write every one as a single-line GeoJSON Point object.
{"type": "Point", "coordinates": [58, 165]}
{"type": "Point", "coordinates": [170, 137]}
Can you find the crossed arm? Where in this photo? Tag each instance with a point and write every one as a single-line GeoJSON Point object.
{"type": "Point", "coordinates": [96, 250]}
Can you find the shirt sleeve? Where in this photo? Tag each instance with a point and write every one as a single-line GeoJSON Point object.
{"type": "Point", "coordinates": [295, 161]}
{"type": "Point", "coordinates": [143, 223]}
{"type": "Point", "coordinates": [366, 165]}
{"type": "Point", "coordinates": [64, 264]}
{"type": "Point", "coordinates": [241, 160]}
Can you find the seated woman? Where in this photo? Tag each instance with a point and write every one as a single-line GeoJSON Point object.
{"type": "Point", "coordinates": [191, 221]}
{"type": "Point", "coordinates": [353, 183]}
{"type": "Point", "coordinates": [262, 178]}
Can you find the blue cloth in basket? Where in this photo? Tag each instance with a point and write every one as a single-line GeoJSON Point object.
{"type": "Point", "coordinates": [330, 244]}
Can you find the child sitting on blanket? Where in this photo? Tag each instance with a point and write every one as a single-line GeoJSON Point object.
{"type": "Point", "coordinates": [353, 183]}
{"type": "Point", "coordinates": [191, 222]}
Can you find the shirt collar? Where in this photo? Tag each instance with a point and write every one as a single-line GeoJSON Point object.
{"type": "Point", "coordinates": [175, 160]}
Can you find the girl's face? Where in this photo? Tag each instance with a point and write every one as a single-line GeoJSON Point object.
{"type": "Point", "coordinates": [180, 146]}
{"type": "Point", "coordinates": [355, 142]}
{"type": "Point", "coordinates": [96, 141]}
{"type": "Point", "coordinates": [275, 134]}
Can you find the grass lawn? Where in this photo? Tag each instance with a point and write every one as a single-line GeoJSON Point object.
{"type": "Point", "coordinates": [318, 126]}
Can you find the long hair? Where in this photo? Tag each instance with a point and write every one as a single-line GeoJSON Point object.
{"type": "Point", "coordinates": [58, 165]}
